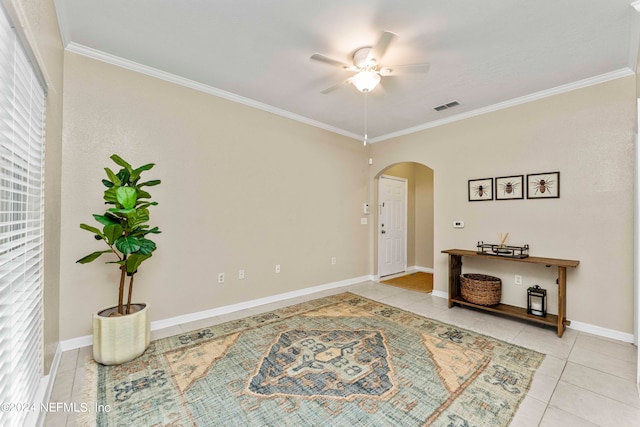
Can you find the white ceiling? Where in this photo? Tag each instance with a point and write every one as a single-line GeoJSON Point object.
{"type": "Point", "coordinates": [486, 54]}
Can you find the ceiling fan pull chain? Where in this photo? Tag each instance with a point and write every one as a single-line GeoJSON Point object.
{"type": "Point", "coordinates": [365, 120]}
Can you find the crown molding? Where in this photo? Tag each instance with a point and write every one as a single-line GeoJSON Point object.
{"type": "Point", "coordinates": [172, 78]}
{"type": "Point", "coordinates": [61, 13]}
{"type": "Point", "coordinates": [163, 75]}
{"type": "Point", "coordinates": [624, 72]}
{"type": "Point", "coordinates": [634, 37]}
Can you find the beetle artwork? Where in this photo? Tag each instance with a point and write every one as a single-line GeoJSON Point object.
{"type": "Point", "coordinates": [543, 185]}
{"type": "Point", "coordinates": [509, 187]}
{"type": "Point", "coordinates": [480, 189]}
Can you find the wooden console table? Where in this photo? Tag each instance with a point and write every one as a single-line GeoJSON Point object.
{"type": "Point", "coordinates": [560, 321]}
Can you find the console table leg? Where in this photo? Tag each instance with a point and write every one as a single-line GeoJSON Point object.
{"type": "Point", "coordinates": [455, 268]}
{"type": "Point", "coordinates": [562, 300]}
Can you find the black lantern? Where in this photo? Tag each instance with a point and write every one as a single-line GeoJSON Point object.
{"type": "Point", "coordinates": [537, 301]}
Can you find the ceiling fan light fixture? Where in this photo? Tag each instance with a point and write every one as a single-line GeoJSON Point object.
{"type": "Point", "coordinates": [365, 80]}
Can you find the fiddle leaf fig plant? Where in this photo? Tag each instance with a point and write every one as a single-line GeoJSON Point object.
{"type": "Point", "coordinates": [124, 225]}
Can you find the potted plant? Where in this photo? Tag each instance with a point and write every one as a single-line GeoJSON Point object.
{"type": "Point", "coordinates": [121, 333]}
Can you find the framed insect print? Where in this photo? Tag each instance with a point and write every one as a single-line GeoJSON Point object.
{"type": "Point", "coordinates": [509, 187]}
{"type": "Point", "coordinates": [543, 185]}
{"type": "Point", "coordinates": [480, 189]}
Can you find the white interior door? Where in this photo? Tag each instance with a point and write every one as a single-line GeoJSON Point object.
{"type": "Point", "coordinates": [392, 225]}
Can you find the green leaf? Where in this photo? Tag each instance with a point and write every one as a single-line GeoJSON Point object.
{"type": "Point", "coordinates": [124, 176]}
{"type": "Point", "coordinates": [135, 175]}
{"type": "Point", "coordinates": [144, 167]}
{"type": "Point", "coordinates": [137, 217]}
{"type": "Point", "coordinates": [146, 246]}
{"type": "Point", "coordinates": [105, 220]}
{"type": "Point", "coordinates": [143, 194]}
{"type": "Point", "coordinates": [147, 204]}
{"type": "Point", "coordinates": [128, 245]}
{"type": "Point", "coordinates": [110, 195]}
{"type": "Point", "coordinates": [122, 212]}
{"type": "Point", "coordinates": [119, 161]}
{"type": "Point", "coordinates": [113, 232]}
{"type": "Point", "coordinates": [112, 176]}
{"type": "Point", "coordinates": [92, 229]}
{"type": "Point", "coordinates": [154, 230]}
{"type": "Point", "coordinates": [107, 183]}
{"type": "Point", "coordinates": [91, 257]}
{"type": "Point", "coordinates": [134, 261]}
{"type": "Point", "coordinates": [150, 183]}
{"type": "Point", "coordinates": [127, 197]}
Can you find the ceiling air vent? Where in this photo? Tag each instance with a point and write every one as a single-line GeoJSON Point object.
{"type": "Point", "coordinates": [446, 106]}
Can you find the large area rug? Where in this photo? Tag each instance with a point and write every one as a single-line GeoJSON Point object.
{"type": "Point", "coordinates": [342, 360]}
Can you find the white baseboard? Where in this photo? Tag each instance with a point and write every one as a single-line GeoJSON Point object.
{"type": "Point", "coordinates": [178, 320]}
{"type": "Point", "coordinates": [409, 270]}
{"type": "Point", "coordinates": [600, 331]}
{"type": "Point", "coordinates": [43, 394]}
{"type": "Point", "coordinates": [440, 294]}
{"type": "Point", "coordinates": [87, 340]}
{"type": "Point", "coordinates": [423, 269]}
{"type": "Point", "coordinates": [79, 342]}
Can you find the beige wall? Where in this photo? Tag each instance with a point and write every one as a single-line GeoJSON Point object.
{"type": "Point", "coordinates": [40, 26]}
{"type": "Point", "coordinates": [242, 189]}
{"type": "Point", "coordinates": [424, 216]}
{"type": "Point", "coordinates": [585, 134]}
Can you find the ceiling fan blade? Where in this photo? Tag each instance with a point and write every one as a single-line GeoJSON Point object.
{"type": "Point", "coordinates": [336, 86]}
{"type": "Point", "coordinates": [380, 48]}
{"type": "Point", "coordinates": [322, 58]}
{"type": "Point", "coordinates": [398, 70]}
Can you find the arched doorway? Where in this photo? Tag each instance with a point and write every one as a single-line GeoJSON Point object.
{"type": "Point", "coordinates": [418, 251]}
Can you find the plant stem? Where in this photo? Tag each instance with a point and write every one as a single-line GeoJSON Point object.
{"type": "Point", "coordinates": [123, 274]}
{"type": "Point", "coordinates": [130, 292]}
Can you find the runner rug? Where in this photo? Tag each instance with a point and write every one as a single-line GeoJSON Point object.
{"type": "Point", "coordinates": [342, 360]}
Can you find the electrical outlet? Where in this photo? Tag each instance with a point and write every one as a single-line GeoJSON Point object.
{"type": "Point", "coordinates": [220, 277]}
{"type": "Point", "coordinates": [277, 268]}
{"type": "Point", "coordinates": [334, 261]}
{"type": "Point", "coordinates": [518, 279]}
{"type": "Point", "coordinates": [241, 274]}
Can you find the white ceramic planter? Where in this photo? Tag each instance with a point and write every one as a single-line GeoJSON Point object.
{"type": "Point", "coordinates": [120, 339]}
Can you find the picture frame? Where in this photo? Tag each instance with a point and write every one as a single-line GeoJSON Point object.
{"type": "Point", "coordinates": [543, 185]}
{"type": "Point", "coordinates": [480, 189]}
{"type": "Point", "coordinates": [509, 187]}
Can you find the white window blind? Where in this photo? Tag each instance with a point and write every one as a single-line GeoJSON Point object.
{"type": "Point", "coordinates": [22, 101]}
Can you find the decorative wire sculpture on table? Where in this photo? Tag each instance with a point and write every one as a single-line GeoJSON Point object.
{"type": "Point", "coordinates": [503, 250]}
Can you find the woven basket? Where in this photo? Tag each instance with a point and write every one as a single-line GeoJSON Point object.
{"type": "Point", "coordinates": [480, 288]}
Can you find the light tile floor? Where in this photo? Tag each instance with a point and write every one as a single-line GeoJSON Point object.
{"type": "Point", "coordinates": [585, 380]}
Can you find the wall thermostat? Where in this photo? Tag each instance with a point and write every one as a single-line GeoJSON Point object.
{"type": "Point", "coordinates": [458, 224]}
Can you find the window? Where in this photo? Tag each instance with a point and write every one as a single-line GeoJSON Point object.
{"type": "Point", "coordinates": [22, 102]}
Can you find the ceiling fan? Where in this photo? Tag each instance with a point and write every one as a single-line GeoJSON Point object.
{"type": "Point", "coordinates": [366, 62]}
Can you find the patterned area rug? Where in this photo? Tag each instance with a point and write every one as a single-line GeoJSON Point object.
{"type": "Point", "coordinates": [418, 281]}
{"type": "Point", "coordinates": [343, 360]}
